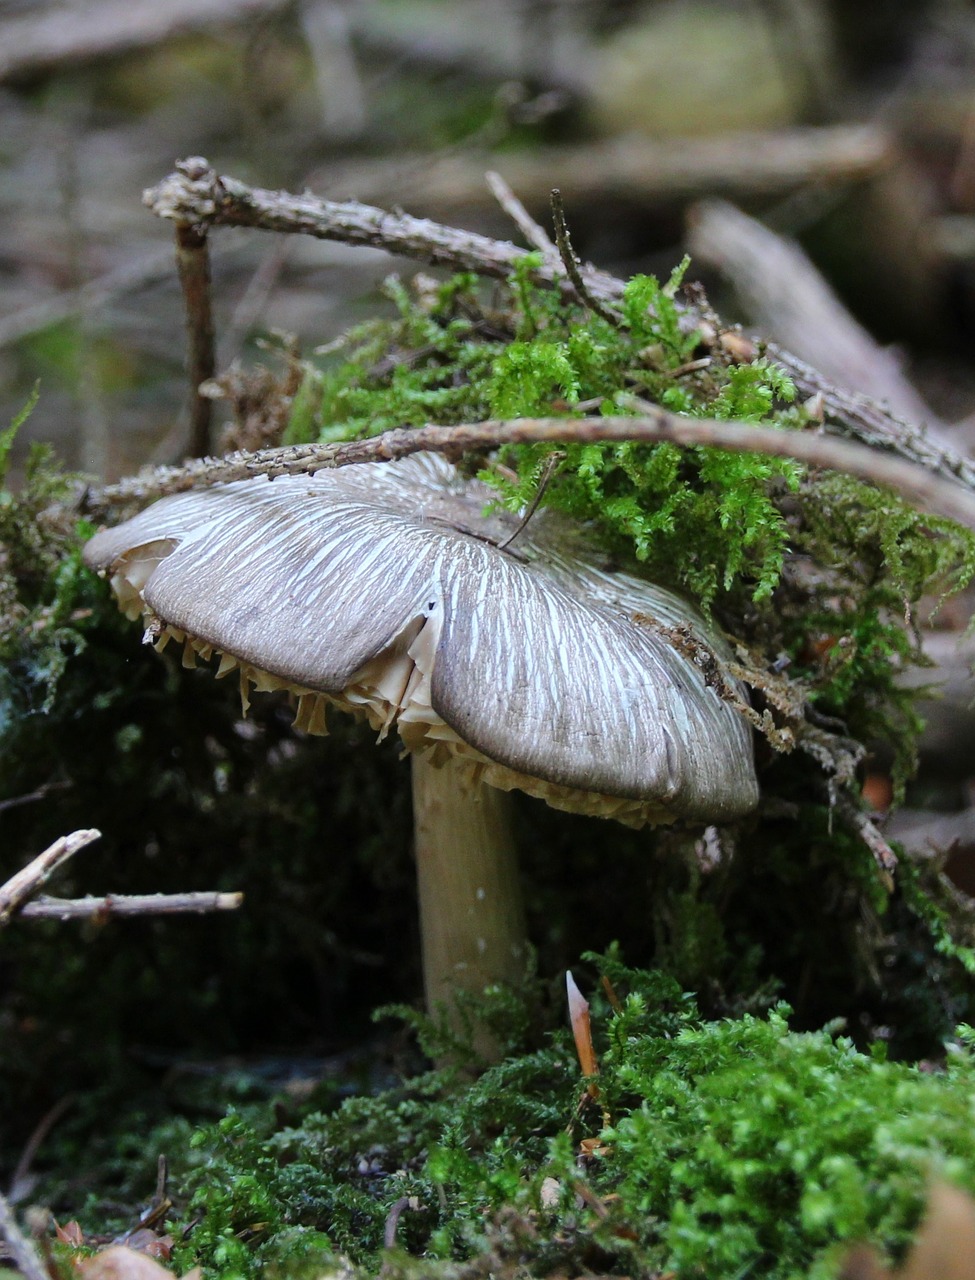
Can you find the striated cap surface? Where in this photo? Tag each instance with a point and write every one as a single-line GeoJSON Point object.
{"type": "Point", "coordinates": [381, 589]}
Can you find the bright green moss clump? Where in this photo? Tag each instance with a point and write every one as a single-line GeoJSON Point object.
{"type": "Point", "coordinates": [730, 1148]}
{"type": "Point", "coordinates": [449, 357]}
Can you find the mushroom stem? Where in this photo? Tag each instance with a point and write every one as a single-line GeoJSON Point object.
{"type": "Point", "coordinates": [471, 914]}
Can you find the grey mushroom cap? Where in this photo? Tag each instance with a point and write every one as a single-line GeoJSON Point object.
{"type": "Point", "coordinates": [380, 588]}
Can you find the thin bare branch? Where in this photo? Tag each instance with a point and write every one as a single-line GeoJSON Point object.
{"type": "Point", "coordinates": [862, 825]}
{"type": "Point", "coordinates": [193, 265]}
{"type": "Point", "coordinates": [145, 904]}
{"type": "Point", "coordinates": [633, 170]}
{"type": "Point", "coordinates": [392, 1221]}
{"type": "Point", "coordinates": [22, 886]}
{"type": "Point", "coordinates": [785, 296]}
{"type": "Point", "coordinates": [536, 235]}
{"type": "Point", "coordinates": [551, 464]}
{"type": "Point", "coordinates": [196, 194]}
{"type": "Point", "coordinates": [927, 490]}
{"type": "Point", "coordinates": [31, 797]}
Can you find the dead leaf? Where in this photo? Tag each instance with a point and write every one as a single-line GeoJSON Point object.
{"type": "Point", "coordinates": [71, 1233]}
{"type": "Point", "coordinates": [120, 1263]}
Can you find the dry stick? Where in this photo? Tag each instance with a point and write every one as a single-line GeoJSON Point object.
{"type": "Point", "coordinates": [863, 826]}
{"type": "Point", "coordinates": [392, 1221]}
{"type": "Point", "coordinates": [551, 463]}
{"type": "Point", "coordinates": [29, 879]}
{"type": "Point", "coordinates": [31, 797]}
{"type": "Point", "coordinates": [919, 486]}
{"type": "Point", "coordinates": [143, 904]}
{"type": "Point", "coordinates": [18, 1179]}
{"type": "Point", "coordinates": [195, 194]}
{"type": "Point", "coordinates": [785, 294]}
{"type": "Point", "coordinates": [639, 171]}
{"type": "Point", "coordinates": [193, 264]}
{"type": "Point", "coordinates": [519, 215]}
{"type": "Point", "coordinates": [22, 1251]}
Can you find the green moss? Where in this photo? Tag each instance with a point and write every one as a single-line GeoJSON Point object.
{"type": "Point", "coordinates": [45, 594]}
{"type": "Point", "coordinates": [854, 630]}
{"type": "Point", "coordinates": [701, 518]}
{"type": "Point", "coordinates": [721, 1147]}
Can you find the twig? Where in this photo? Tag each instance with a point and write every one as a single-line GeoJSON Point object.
{"type": "Point", "coordinates": [193, 264]}
{"type": "Point", "coordinates": [392, 1221]}
{"type": "Point", "coordinates": [786, 296]}
{"type": "Point", "coordinates": [922, 487]}
{"type": "Point", "coordinates": [551, 463]}
{"type": "Point", "coordinates": [195, 194]}
{"type": "Point", "coordinates": [15, 893]}
{"type": "Point", "coordinates": [861, 824]}
{"type": "Point", "coordinates": [632, 170]}
{"type": "Point", "coordinates": [571, 262]}
{"type": "Point", "coordinates": [23, 1252]}
{"type": "Point", "coordinates": [38, 793]}
{"type": "Point", "coordinates": [516, 211]}
{"type": "Point", "coordinates": [158, 1207]}
{"type": "Point", "coordinates": [143, 904]}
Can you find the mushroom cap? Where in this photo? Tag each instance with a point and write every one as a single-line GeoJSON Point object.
{"type": "Point", "coordinates": [380, 588]}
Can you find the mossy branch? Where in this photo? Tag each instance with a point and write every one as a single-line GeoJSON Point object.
{"type": "Point", "coordinates": [195, 194]}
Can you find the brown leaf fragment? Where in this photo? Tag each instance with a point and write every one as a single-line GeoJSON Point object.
{"type": "Point", "coordinates": [118, 1262]}
{"type": "Point", "coordinates": [944, 1248]}
{"type": "Point", "coordinates": [71, 1233]}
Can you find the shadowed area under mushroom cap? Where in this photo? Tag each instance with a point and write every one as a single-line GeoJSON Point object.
{"type": "Point", "coordinates": [380, 587]}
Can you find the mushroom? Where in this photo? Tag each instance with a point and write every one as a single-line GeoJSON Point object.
{"type": "Point", "coordinates": [390, 590]}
